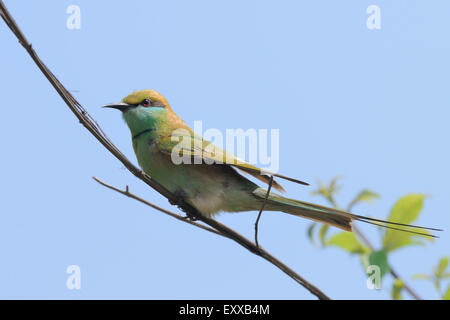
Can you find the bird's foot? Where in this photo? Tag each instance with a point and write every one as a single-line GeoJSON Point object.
{"type": "Point", "coordinates": [190, 217]}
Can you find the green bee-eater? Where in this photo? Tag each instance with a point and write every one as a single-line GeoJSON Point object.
{"type": "Point", "coordinates": [211, 181]}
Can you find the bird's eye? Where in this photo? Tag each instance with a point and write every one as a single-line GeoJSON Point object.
{"type": "Point", "coordinates": [145, 103]}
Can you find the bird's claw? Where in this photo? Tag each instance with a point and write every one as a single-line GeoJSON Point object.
{"type": "Point", "coordinates": [190, 217]}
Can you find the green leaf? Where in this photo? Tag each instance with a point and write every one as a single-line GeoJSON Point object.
{"type": "Point", "coordinates": [322, 234]}
{"type": "Point", "coordinates": [405, 210]}
{"type": "Point", "coordinates": [364, 257]}
{"type": "Point", "coordinates": [379, 258]}
{"type": "Point", "coordinates": [442, 266]}
{"type": "Point", "coordinates": [447, 294]}
{"type": "Point", "coordinates": [404, 240]}
{"type": "Point", "coordinates": [328, 191]}
{"type": "Point", "coordinates": [310, 232]}
{"type": "Point", "coordinates": [333, 184]}
{"type": "Point", "coordinates": [421, 276]}
{"type": "Point", "coordinates": [397, 288]}
{"type": "Point", "coordinates": [437, 284]}
{"type": "Point", "coordinates": [364, 196]}
{"type": "Point", "coordinates": [348, 242]}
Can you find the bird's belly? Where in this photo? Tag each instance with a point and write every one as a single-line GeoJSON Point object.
{"type": "Point", "coordinates": [206, 187]}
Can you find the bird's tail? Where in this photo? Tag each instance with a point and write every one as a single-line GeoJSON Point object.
{"type": "Point", "coordinates": [338, 218]}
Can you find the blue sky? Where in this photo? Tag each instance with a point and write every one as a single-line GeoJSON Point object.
{"type": "Point", "coordinates": [371, 105]}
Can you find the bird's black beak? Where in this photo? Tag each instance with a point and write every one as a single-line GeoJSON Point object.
{"type": "Point", "coordinates": [120, 106]}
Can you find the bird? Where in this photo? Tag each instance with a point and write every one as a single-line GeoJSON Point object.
{"type": "Point", "coordinates": [211, 179]}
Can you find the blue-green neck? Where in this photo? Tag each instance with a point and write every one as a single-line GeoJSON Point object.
{"type": "Point", "coordinates": [141, 119]}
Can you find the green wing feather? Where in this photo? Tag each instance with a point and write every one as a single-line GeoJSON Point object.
{"type": "Point", "coordinates": [193, 147]}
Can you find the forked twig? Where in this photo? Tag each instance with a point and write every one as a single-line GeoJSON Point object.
{"type": "Point", "coordinates": [127, 193]}
{"type": "Point", "coordinates": [257, 250]}
{"type": "Point", "coordinates": [92, 126]}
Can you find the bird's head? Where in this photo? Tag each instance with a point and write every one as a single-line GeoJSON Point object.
{"type": "Point", "coordinates": [143, 109]}
{"type": "Point", "coordinates": [141, 100]}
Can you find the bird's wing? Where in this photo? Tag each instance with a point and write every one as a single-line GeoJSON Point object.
{"type": "Point", "coordinates": [188, 146]}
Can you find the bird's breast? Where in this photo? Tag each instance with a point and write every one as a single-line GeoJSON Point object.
{"type": "Point", "coordinates": [209, 188]}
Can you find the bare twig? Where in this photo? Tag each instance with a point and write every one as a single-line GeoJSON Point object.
{"type": "Point", "coordinates": [127, 193]}
{"type": "Point", "coordinates": [261, 252]}
{"type": "Point", "coordinates": [92, 126]}
{"type": "Point", "coordinates": [261, 210]}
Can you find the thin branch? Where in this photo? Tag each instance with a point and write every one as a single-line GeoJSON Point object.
{"type": "Point", "coordinates": [261, 210]}
{"type": "Point", "coordinates": [92, 126]}
{"type": "Point", "coordinates": [127, 193]}
{"type": "Point", "coordinates": [261, 252]}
